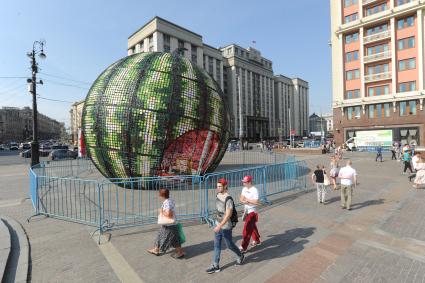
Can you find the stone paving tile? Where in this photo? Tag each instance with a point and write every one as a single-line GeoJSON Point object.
{"type": "Point", "coordinates": [366, 264]}
{"type": "Point", "coordinates": [282, 240]}
{"type": "Point", "coordinates": [408, 220]}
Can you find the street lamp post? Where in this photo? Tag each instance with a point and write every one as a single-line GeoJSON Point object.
{"type": "Point", "coordinates": [37, 48]}
{"type": "Point", "coordinates": [240, 111]}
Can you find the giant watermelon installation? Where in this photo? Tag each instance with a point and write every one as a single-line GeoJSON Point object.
{"type": "Point", "coordinates": [153, 114]}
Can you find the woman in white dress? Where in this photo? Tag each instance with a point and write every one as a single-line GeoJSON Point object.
{"type": "Point", "coordinates": [420, 173]}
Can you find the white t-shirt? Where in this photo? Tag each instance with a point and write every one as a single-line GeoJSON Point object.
{"type": "Point", "coordinates": [415, 160]}
{"type": "Point", "coordinates": [347, 174]}
{"type": "Point", "coordinates": [250, 194]}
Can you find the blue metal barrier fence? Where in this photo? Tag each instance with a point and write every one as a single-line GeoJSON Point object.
{"type": "Point", "coordinates": [119, 203]}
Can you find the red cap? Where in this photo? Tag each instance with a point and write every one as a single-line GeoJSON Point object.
{"type": "Point", "coordinates": [247, 179]}
{"type": "Point", "coordinates": [222, 181]}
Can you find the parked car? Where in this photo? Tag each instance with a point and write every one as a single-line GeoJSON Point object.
{"type": "Point", "coordinates": [58, 154]}
{"type": "Point", "coordinates": [2, 147]}
{"type": "Point", "coordinates": [45, 150]}
{"type": "Point", "coordinates": [13, 146]}
{"type": "Point", "coordinates": [24, 146]}
{"type": "Point", "coordinates": [26, 153]}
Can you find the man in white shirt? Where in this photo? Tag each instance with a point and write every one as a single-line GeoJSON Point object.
{"type": "Point", "coordinates": [250, 198]}
{"type": "Point", "coordinates": [348, 176]}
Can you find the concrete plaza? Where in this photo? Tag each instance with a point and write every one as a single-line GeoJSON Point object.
{"type": "Point", "coordinates": [382, 239]}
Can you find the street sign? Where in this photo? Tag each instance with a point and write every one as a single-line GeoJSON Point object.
{"type": "Point", "coordinates": [292, 132]}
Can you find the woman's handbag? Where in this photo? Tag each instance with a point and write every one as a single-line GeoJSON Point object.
{"type": "Point", "coordinates": [164, 220]}
{"type": "Point", "coordinates": [182, 236]}
{"type": "Point", "coordinates": [326, 180]}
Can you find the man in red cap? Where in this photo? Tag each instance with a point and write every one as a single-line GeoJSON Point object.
{"type": "Point", "coordinates": [223, 227]}
{"type": "Point", "coordinates": [250, 198]}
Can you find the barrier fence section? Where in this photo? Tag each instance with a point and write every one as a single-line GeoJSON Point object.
{"type": "Point", "coordinates": [120, 203]}
{"type": "Point", "coordinates": [371, 148]}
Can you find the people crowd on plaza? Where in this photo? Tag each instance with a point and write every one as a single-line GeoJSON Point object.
{"type": "Point", "coordinates": [225, 218]}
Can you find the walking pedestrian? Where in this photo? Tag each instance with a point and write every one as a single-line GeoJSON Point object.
{"type": "Point", "coordinates": [223, 226]}
{"type": "Point", "coordinates": [398, 152]}
{"type": "Point", "coordinates": [415, 159]}
{"type": "Point", "coordinates": [318, 178]}
{"type": "Point", "coordinates": [406, 160]}
{"type": "Point", "coordinates": [379, 153]}
{"type": "Point", "coordinates": [250, 198]}
{"type": "Point", "coordinates": [348, 176]}
{"type": "Point", "coordinates": [334, 171]}
{"type": "Point", "coordinates": [393, 151]}
{"type": "Point", "coordinates": [168, 234]}
{"type": "Point", "coordinates": [420, 173]}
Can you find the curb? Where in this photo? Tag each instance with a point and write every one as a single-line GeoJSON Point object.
{"type": "Point", "coordinates": [17, 267]}
{"type": "Point", "coordinates": [5, 246]}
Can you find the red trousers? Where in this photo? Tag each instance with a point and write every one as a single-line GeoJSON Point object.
{"type": "Point", "coordinates": [250, 229]}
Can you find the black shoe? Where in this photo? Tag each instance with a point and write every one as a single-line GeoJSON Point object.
{"type": "Point", "coordinates": [213, 269]}
{"type": "Point", "coordinates": [239, 261]}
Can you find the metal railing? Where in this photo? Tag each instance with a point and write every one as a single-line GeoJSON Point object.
{"type": "Point", "coordinates": [119, 203]}
{"type": "Point", "coordinates": [377, 36]}
{"type": "Point", "coordinates": [377, 56]}
{"type": "Point", "coordinates": [377, 77]}
{"type": "Point", "coordinates": [365, 2]}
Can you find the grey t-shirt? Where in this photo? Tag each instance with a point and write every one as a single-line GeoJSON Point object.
{"type": "Point", "coordinates": [219, 204]}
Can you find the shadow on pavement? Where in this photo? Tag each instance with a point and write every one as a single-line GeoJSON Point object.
{"type": "Point", "coordinates": [280, 245]}
{"type": "Point", "coordinates": [356, 206]}
{"type": "Point", "coordinates": [195, 250]}
{"type": "Point", "coordinates": [333, 199]}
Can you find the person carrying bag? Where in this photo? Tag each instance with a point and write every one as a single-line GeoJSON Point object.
{"type": "Point", "coordinates": [168, 234]}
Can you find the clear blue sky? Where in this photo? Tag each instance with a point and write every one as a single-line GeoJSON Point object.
{"type": "Point", "coordinates": [84, 37]}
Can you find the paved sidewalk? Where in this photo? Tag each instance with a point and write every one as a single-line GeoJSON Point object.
{"type": "Point", "coordinates": [381, 239]}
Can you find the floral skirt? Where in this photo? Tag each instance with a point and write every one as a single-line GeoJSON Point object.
{"type": "Point", "coordinates": [420, 177]}
{"type": "Point", "coordinates": [168, 236]}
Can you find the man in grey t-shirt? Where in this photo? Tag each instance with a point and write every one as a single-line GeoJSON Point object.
{"type": "Point", "coordinates": [223, 227]}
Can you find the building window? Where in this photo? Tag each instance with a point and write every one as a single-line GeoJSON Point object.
{"type": "Point", "coordinates": [407, 64]}
{"type": "Point", "coordinates": [377, 29]}
{"type": "Point", "coordinates": [377, 49]}
{"type": "Point", "coordinates": [401, 2]}
{"type": "Point", "coordinates": [150, 39]}
{"type": "Point", "coordinates": [349, 38]}
{"type": "Point", "coordinates": [167, 40]}
{"type": "Point", "coordinates": [350, 94]}
{"type": "Point", "coordinates": [412, 107]}
{"type": "Point", "coordinates": [352, 75]}
{"type": "Point", "coordinates": [407, 86]}
{"type": "Point", "coordinates": [378, 110]}
{"type": "Point", "coordinates": [378, 90]}
{"type": "Point", "coordinates": [406, 22]}
{"type": "Point", "coordinates": [348, 3]}
{"type": "Point", "coordinates": [377, 69]}
{"type": "Point", "coordinates": [406, 43]}
{"type": "Point", "coordinates": [349, 113]}
{"type": "Point", "coordinates": [371, 111]}
{"type": "Point", "coordinates": [352, 56]}
{"type": "Point", "coordinates": [386, 109]}
{"type": "Point", "coordinates": [376, 9]}
{"type": "Point", "coordinates": [351, 18]}
{"type": "Point", "coordinates": [403, 111]}
{"type": "Point", "coordinates": [210, 65]}
{"type": "Point", "coordinates": [357, 111]}
{"type": "Point", "coordinates": [193, 50]}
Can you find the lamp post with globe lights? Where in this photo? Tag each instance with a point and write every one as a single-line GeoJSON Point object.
{"type": "Point", "coordinates": [37, 48]}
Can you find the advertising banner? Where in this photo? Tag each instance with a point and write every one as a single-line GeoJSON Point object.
{"type": "Point", "coordinates": [374, 138]}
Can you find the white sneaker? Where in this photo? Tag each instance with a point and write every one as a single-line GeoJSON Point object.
{"type": "Point", "coordinates": [242, 250]}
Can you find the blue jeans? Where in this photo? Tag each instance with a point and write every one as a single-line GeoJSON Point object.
{"type": "Point", "coordinates": [227, 235]}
